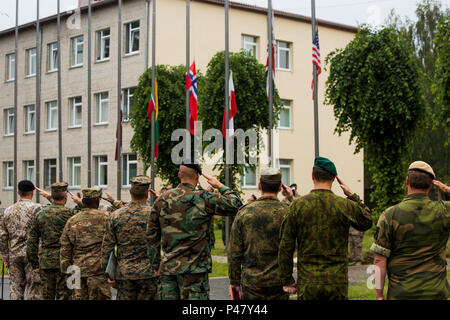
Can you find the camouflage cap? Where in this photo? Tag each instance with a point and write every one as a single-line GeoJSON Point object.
{"type": "Point", "coordinates": [94, 192]}
{"type": "Point", "coordinates": [325, 164]}
{"type": "Point", "coordinates": [423, 167]}
{"type": "Point", "coordinates": [59, 186]}
{"type": "Point", "coordinates": [140, 184]}
{"type": "Point", "coordinates": [270, 175]}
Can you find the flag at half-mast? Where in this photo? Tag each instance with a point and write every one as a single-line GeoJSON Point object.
{"type": "Point", "coordinates": [232, 109]}
{"type": "Point", "coordinates": [191, 86]}
{"type": "Point", "coordinates": [153, 106]}
{"type": "Point", "coordinates": [316, 58]}
{"type": "Point", "coordinates": [273, 59]}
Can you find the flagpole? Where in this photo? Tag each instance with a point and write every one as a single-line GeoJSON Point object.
{"type": "Point", "coordinates": [60, 171]}
{"type": "Point", "coordinates": [227, 111]}
{"type": "Point", "coordinates": [119, 102]}
{"type": "Point", "coordinates": [316, 107]}
{"type": "Point", "coordinates": [270, 75]}
{"type": "Point", "coordinates": [89, 94]}
{"type": "Point", "coordinates": [188, 58]}
{"type": "Point", "coordinates": [16, 51]}
{"type": "Point", "coordinates": [38, 97]}
{"type": "Point", "coordinates": [152, 157]}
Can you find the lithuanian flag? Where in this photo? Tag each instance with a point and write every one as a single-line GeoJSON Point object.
{"type": "Point", "coordinates": [153, 105]}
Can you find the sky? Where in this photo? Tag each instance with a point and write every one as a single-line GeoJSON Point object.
{"type": "Point", "coordinates": [351, 12]}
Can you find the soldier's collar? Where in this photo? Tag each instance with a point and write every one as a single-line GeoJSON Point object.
{"type": "Point", "coordinates": [267, 198]}
{"type": "Point", "coordinates": [416, 196]}
{"type": "Point", "coordinates": [187, 185]}
{"type": "Point", "coordinates": [58, 204]}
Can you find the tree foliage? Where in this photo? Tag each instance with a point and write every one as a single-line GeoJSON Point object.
{"type": "Point", "coordinates": [374, 88]}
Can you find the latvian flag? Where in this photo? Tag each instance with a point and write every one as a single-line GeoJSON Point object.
{"type": "Point", "coordinates": [191, 86]}
{"type": "Point", "coordinates": [153, 105]}
{"type": "Point", "coordinates": [232, 109]}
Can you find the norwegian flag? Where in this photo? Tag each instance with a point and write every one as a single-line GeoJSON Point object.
{"type": "Point", "coordinates": [316, 58]}
{"type": "Point", "coordinates": [273, 60]}
{"type": "Point", "coordinates": [191, 86]}
{"type": "Point", "coordinates": [232, 109]}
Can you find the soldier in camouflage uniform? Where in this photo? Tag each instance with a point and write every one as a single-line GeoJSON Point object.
{"type": "Point", "coordinates": [81, 244]}
{"type": "Point", "coordinates": [47, 229]}
{"type": "Point", "coordinates": [136, 277]}
{"type": "Point", "coordinates": [355, 244]}
{"type": "Point", "coordinates": [254, 241]}
{"type": "Point", "coordinates": [319, 222]}
{"type": "Point", "coordinates": [287, 199]}
{"type": "Point", "coordinates": [410, 241]}
{"type": "Point", "coordinates": [14, 229]}
{"type": "Point", "coordinates": [180, 220]}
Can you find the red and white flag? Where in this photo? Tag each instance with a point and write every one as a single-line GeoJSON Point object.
{"type": "Point", "coordinates": [232, 108]}
{"type": "Point", "coordinates": [191, 86]}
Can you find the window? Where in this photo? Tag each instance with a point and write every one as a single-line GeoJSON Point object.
{"type": "Point", "coordinates": [49, 172]}
{"type": "Point", "coordinates": [75, 107]}
{"type": "Point", "coordinates": [52, 63]}
{"type": "Point", "coordinates": [129, 168]}
{"type": "Point", "coordinates": [30, 120]}
{"type": "Point", "coordinates": [285, 168]}
{"type": "Point", "coordinates": [9, 122]}
{"type": "Point", "coordinates": [31, 62]}
{"type": "Point", "coordinates": [248, 180]}
{"type": "Point", "coordinates": [103, 41]}
{"type": "Point", "coordinates": [283, 55]}
{"type": "Point", "coordinates": [249, 44]}
{"type": "Point", "coordinates": [132, 37]}
{"type": "Point", "coordinates": [101, 108]}
{"type": "Point", "coordinates": [52, 115]}
{"type": "Point", "coordinates": [285, 115]}
{"type": "Point", "coordinates": [74, 172]}
{"type": "Point", "coordinates": [77, 51]}
{"type": "Point", "coordinates": [10, 67]}
{"type": "Point", "coordinates": [127, 103]}
{"type": "Point", "coordinates": [8, 169]}
{"type": "Point", "coordinates": [28, 172]}
{"type": "Point", "coordinates": [101, 171]}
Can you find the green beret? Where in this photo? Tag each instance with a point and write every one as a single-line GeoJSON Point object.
{"type": "Point", "coordinates": [140, 184]}
{"type": "Point", "coordinates": [59, 186]}
{"type": "Point", "coordinates": [270, 175]}
{"type": "Point", "coordinates": [94, 192]}
{"type": "Point", "coordinates": [325, 164]}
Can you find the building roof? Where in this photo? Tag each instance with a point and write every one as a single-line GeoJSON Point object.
{"type": "Point", "coordinates": [233, 4]}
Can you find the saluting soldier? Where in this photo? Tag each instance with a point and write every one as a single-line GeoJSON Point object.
{"type": "Point", "coordinates": [81, 244]}
{"type": "Point", "coordinates": [180, 221]}
{"type": "Point", "coordinates": [410, 241]}
{"type": "Point", "coordinates": [319, 222]}
{"type": "Point", "coordinates": [136, 277]}
{"type": "Point", "coordinates": [47, 229]}
{"type": "Point", "coordinates": [14, 227]}
{"type": "Point", "coordinates": [254, 241]}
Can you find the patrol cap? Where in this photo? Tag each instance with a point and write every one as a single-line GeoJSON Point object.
{"type": "Point", "coordinates": [422, 167]}
{"type": "Point", "coordinates": [89, 193]}
{"type": "Point", "coordinates": [188, 163]}
{"type": "Point", "coordinates": [59, 186]}
{"type": "Point", "coordinates": [140, 184]}
{"type": "Point", "coordinates": [270, 175]}
{"type": "Point", "coordinates": [25, 186]}
{"type": "Point", "coordinates": [325, 164]}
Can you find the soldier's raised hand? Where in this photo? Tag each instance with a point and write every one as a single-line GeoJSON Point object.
{"type": "Point", "coordinates": [155, 193]}
{"type": "Point", "coordinates": [287, 192]}
{"type": "Point", "coordinates": [213, 181]}
{"type": "Point", "coordinates": [442, 186]}
{"type": "Point", "coordinates": [75, 199]}
{"type": "Point", "coordinates": [42, 192]}
{"type": "Point", "coordinates": [344, 187]}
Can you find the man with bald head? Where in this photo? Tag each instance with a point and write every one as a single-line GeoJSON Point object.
{"type": "Point", "coordinates": [179, 223]}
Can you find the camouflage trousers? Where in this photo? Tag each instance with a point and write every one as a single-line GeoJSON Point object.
{"type": "Point", "coordinates": [53, 285]}
{"type": "Point", "coordinates": [142, 289]}
{"type": "Point", "coordinates": [264, 293]}
{"type": "Point", "coordinates": [93, 288]}
{"type": "Point", "coordinates": [188, 286]}
{"type": "Point", "coordinates": [355, 245]}
{"type": "Point", "coordinates": [313, 291]}
{"type": "Point", "coordinates": [23, 280]}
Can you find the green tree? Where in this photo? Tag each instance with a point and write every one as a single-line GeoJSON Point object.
{"type": "Point", "coordinates": [374, 88]}
{"type": "Point", "coordinates": [251, 99]}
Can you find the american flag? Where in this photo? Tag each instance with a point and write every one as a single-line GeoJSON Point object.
{"type": "Point", "coordinates": [191, 86]}
{"type": "Point", "coordinates": [316, 58]}
{"type": "Point", "coordinates": [273, 60]}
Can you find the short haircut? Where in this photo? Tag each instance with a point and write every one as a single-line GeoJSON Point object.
{"type": "Point", "coordinates": [91, 203]}
{"type": "Point", "coordinates": [419, 180]}
{"type": "Point", "coordinates": [139, 196]}
{"type": "Point", "coordinates": [25, 193]}
{"type": "Point", "coordinates": [58, 196]}
{"type": "Point", "coordinates": [322, 175]}
{"type": "Point", "coordinates": [188, 173]}
{"type": "Point", "coordinates": [270, 187]}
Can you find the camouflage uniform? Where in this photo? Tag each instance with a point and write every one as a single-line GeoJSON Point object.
{"type": "Point", "coordinates": [254, 241]}
{"type": "Point", "coordinates": [181, 219]}
{"type": "Point", "coordinates": [413, 236]}
{"type": "Point", "coordinates": [319, 222]}
{"type": "Point", "coordinates": [81, 244]}
{"type": "Point", "coordinates": [355, 244]}
{"type": "Point", "coordinates": [125, 228]}
{"type": "Point", "coordinates": [14, 229]}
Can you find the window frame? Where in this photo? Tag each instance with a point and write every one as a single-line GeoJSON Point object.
{"type": "Point", "coordinates": [52, 61]}
{"type": "Point", "coordinates": [29, 62]}
{"type": "Point", "coordinates": [27, 119]}
{"type": "Point", "coordinates": [54, 109]}
{"type": "Point", "coordinates": [72, 112]}
{"type": "Point", "coordinates": [101, 43]}
{"type": "Point", "coordinates": [27, 167]}
{"type": "Point", "coordinates": [10, 67]}
{"type": "Point", "coordinates": [74, 44]}
{"type": "Point", "coordinates": [255, 43]}
{"type": "Point", "coordinates": [48, 172]}
{"type": "Point", "coordinates": [127, 103]}
{"type": "Point", "coordinates": [126, 168]}
{"type": "Point", "coordinates": [286, 105]}
{"type": "Point", "coordinates": [72, 167]}
{"type": "Point", "coordinates": [9, 126]}
{"type": "Point", "coordinates": [128, 37]}
{"type": "Point", "coordinates": [285, 166]}
{"type": "Point", "coordinates": [244, 184]}
{"type": "Point", "coordinates": [98, 109]}
{"type": "Point", "coordinates": [97, 165]}
{"type": "Point", "coordinates": [8, 175]}
{"type": "Point", "coordinates": [288, 50]}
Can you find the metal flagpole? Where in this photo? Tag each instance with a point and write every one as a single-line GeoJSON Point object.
{"type": "Point", "coordinates": [270, 75]}
{"type": "Point", "coordinates": [188, 40]}
{"type": "Point", "coordinates": [147, 14]}
{"type": "Point", "coordinates": [16, 51]}
{"type": "Point", "coordinates": [119, 101]}
{"type": "Point", "coordinates": [152, 197]}
{"type": "Point", "coordinates": [59, 95]}
{"type": "Point", "coordinates": [38, 97]}
{"type": "Point", "coordinates": [89, 94]}
{"type": "Point", "coordinates": [316, 107]}
{"type": "Point", "coordinates": [227, 111]}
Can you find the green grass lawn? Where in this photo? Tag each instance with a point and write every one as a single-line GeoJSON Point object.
{"type": "Point", "coordinates": [219, 270]}
{"type": "Point", "coordinates": [1, 266]}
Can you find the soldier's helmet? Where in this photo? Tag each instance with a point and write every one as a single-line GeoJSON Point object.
{"type": "Point", "coordinates": [140, 184]}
